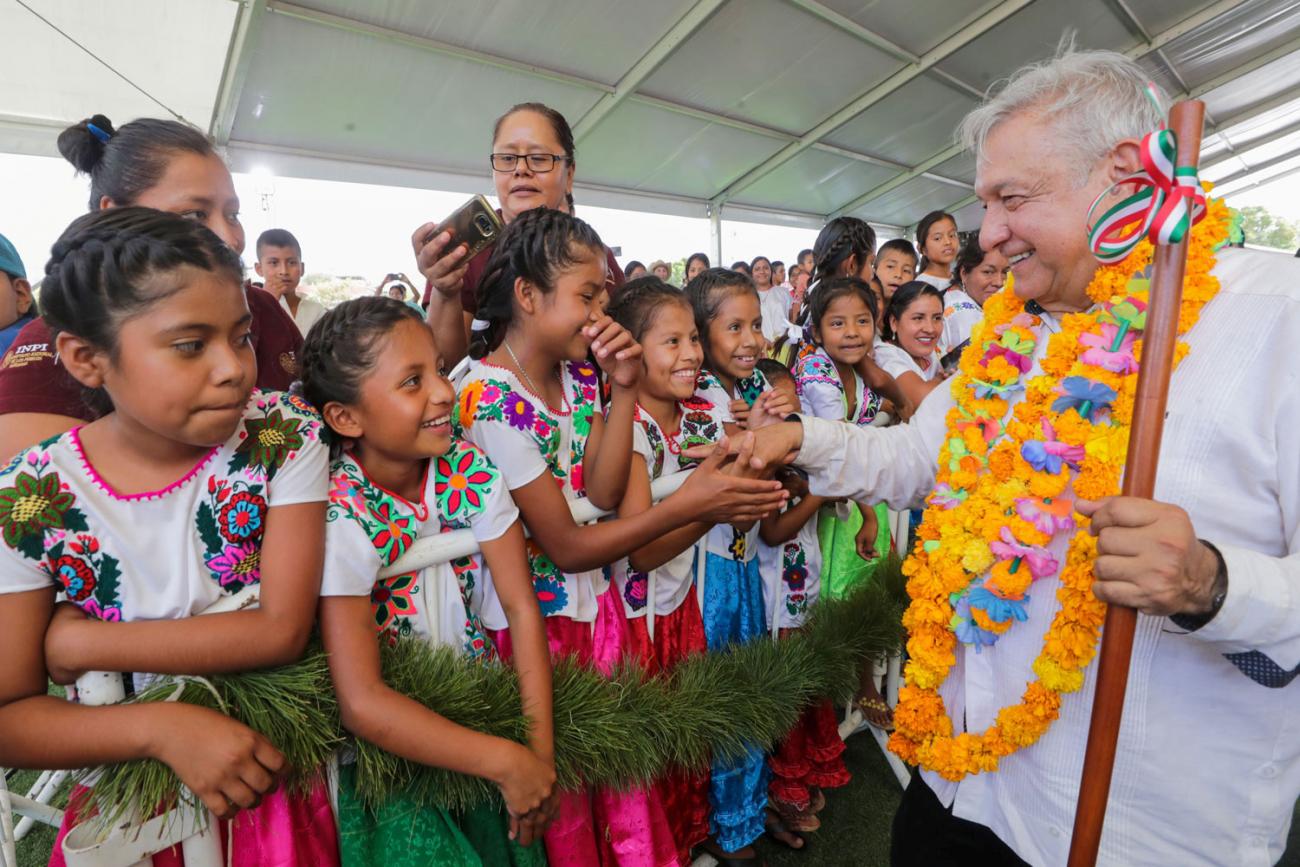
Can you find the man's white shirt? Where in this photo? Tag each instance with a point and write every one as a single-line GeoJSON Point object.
{"type": "Point", "coordinates": [1208, 763]}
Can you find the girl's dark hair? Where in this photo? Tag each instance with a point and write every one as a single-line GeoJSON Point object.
{"type": "Point", "coordinates": [839, 239]}
{"type": "Point", "coordinates": [639, 301]}
{"type": "Point", "coordinates": [537, 245]}
{"type": "Point", "coordinates": [559, 126]}
{"type": "Point", "coordinates": [104, 266]}
{"type": "Point", "coordinates": [903, 297]}
{"type": "Point", "coordinates": [700, 257]}
{"type": "Point", "coordinates": [123, 163]}
{"type": "Point", "coordinates": [970, 257]}
{"type": "Point", "coordinates": [923, 229]}
{"type": "Point", "coordinates": [107, 266]}
{"type": "Point", "coordinates": [741, 267]}
{"type": "Point", "coordinates": [341, 347]}
{"type": "Point", "coordinates": [707, 292]}
{"type": "Point", "coordinates": [633, 264]}
{"type": "Point", "coordinates": [839, 287]}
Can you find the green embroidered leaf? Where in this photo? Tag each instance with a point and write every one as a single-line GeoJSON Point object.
{"type": "Point", "coordinates": [208, 532]}
{"type": "Point", "coordinates": [32, 545]}
{"type": "Point", "coordinates": [238, 461]}
{"type": "Point", "coordinates": [56, 551]}
{"type": "Point", "coordinates": [106, 588]}
{"type": "Point", "coordinates": [74, 521]}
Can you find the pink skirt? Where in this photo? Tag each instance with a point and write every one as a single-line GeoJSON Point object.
{"type": "Point", "coordinates": [283, 831]}
{"type": "Point", "coordinates": [601, 826]}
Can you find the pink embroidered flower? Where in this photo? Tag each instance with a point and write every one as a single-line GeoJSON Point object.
{"type": "Point", "coordinates": [237, 565]}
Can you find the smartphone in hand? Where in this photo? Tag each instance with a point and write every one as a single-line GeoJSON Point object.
{"type": "Point", "coordinates": [474, 224]}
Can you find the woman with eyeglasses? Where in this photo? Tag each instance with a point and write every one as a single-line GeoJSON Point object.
{"type": "Point", "coordinates": [533, 165]}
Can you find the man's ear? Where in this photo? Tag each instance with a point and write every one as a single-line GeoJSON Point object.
{"type": "Point", "coordinates": [1124, 159]}
{"type": "Point", "coordinates": [87, 363]}
{"type": "Point", "coordinates": [23, 290]}
{"type": "Point", "coordinates": [342, 419]}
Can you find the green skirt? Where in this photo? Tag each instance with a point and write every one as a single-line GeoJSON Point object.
{"type": "Point", "coordinates": [842, 568]}
{"type": "Point", "coordinates": [402, 834]}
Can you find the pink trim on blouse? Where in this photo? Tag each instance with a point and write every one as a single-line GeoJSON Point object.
{"type": "Point", "coordinates": [104, 486]}
{"type": "Point", "coordinates": [420, 509]}
{"type": "Point", "coordinates": [566, 408]}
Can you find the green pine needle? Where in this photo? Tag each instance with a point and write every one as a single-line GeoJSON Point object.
{"type": "Point", "coordinates": [615, 731]}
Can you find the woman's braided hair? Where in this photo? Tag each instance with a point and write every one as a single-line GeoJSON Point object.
{"type": "Point", "coordinates": [639, 300]}
{"type": "Point", "coordinates": [109, 265]}
{"type": "Point", "coordinates": [536, 246]}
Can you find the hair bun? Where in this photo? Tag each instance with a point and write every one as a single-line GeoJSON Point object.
{"type": "Point", "coordinates": [83, 148]}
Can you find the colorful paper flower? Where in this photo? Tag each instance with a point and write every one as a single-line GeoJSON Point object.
{"type": "Point", "coordinates": [1085, 396]}
{"type": "Point", "coordinates": [1041, 563]}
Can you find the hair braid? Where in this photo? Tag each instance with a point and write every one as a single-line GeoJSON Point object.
{"type": "Point", "coordinates": [536, 247]}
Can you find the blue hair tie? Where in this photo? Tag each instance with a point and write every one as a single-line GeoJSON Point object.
{"type": "Point", "coordinates": [98, 133]}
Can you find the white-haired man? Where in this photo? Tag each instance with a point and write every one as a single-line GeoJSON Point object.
{"type": "Point", "coordinates": [1208, 764]}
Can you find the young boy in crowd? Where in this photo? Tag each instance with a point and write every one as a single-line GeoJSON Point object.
{"type": "Point", "coordinates": [895, 265]}
{"type": "Point", "coordinates": [279, 264]}
{"type": "Point", "coordinates": [17, 307]}
{"type": "Point", "coordinates": [806, 262]}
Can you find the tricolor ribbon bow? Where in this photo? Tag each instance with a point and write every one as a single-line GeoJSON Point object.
{"type": "Point", "coordinates": [1168, 202]}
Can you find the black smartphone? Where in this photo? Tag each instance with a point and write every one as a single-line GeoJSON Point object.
{"type": "Point", "coordinates": [949, 361]}
{"type": "Point", "coordinates": [474, 224]}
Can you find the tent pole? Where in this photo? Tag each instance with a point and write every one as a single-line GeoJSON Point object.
{"type": "Point", "coordinates": [715, 234]}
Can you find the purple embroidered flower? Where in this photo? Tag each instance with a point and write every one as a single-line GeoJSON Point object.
{"type": "Point", "coordinates": [518, 411]}
{"type": "Point", "coordinates": [636, 589]}
{"type": "Point", "coordinates": [1084, 396]}
{"type": "Point", "coordinates": [1041, 563]}
{"type": "Point", "coordinates": [238, 565]}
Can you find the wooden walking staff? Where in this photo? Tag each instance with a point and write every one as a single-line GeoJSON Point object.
{"type": "Point", "coordinates": [1158, 341]}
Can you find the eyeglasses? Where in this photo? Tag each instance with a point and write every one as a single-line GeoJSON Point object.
{"type": "Point", "coordinates": [539, 163]}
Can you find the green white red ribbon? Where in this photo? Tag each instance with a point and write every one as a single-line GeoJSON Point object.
{"type": "Point", "coordinates": [1168, 202]}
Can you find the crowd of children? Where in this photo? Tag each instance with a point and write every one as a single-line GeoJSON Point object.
{"type": "Point", "coordinates": [175, 466]}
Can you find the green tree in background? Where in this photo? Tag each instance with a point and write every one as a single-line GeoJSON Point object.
{"type": "Point", "coordinates": [1267, 229]}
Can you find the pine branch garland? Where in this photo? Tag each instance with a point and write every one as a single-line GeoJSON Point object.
{"type": "Point", "coordinates": [617, 731]}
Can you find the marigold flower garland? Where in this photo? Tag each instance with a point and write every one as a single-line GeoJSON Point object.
{"type": "Point", "coordinates": [1003, 491]}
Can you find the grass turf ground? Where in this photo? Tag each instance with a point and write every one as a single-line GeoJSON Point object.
{"type": "Point", "coordinates": [854, 833]}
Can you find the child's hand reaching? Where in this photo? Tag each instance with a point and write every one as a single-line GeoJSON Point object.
{"type": "Point", "coordinates": [771, 407]}
{"type": "Point", "coordinates": [617, 353]}
{"type": "Point", "coordinates": [734, 494]}
{"type": "Point", "coordinates": [865, 539]}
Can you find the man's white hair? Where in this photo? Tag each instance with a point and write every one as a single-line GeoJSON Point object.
{"type": "Point", "coordinates": [1092, 99]}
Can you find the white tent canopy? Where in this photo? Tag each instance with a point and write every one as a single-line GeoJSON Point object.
{"type": "Point", "coordinates": [775, 111]}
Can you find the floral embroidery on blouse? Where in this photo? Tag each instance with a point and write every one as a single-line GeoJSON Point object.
{"type": "Point", "coordinates": [37, 501]}
{"type": "Point", "coordinates": [462, 479]}
{"type": "Point", "coordinates": [267, 442]}
{"type": "Point", "coordinates": [794, 574]}
{"type": "Point", "coordinates": [816, 367]}
{"type": "Point", "coordinates": [548, 581]}
{"type": "Point", "coordinates": [231, 523]}
{"type": "Point", "coordinates": [636, 589]}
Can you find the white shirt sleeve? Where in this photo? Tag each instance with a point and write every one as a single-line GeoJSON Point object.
{"type": "Point", "coordinates": [512, 451]}
{"type": "Point", "coordinates": [499, 513]}
{"type": "Point", "coordinates": [894, 360]}
{"type": "Point", "coordinates": [22, 552]}
{"type": "Point", "coordinates": [351, 561]}
{"type": "Point", "coordinates": [304, 477]}
{"type": "Point", "coordinates": [822, 399]}
{"type": "Point", "coordinates": [960, 314]}
{"type": "Point", "coordinates": [896, 465]}
{"type": "Point", "coordinates": [711, 390]}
